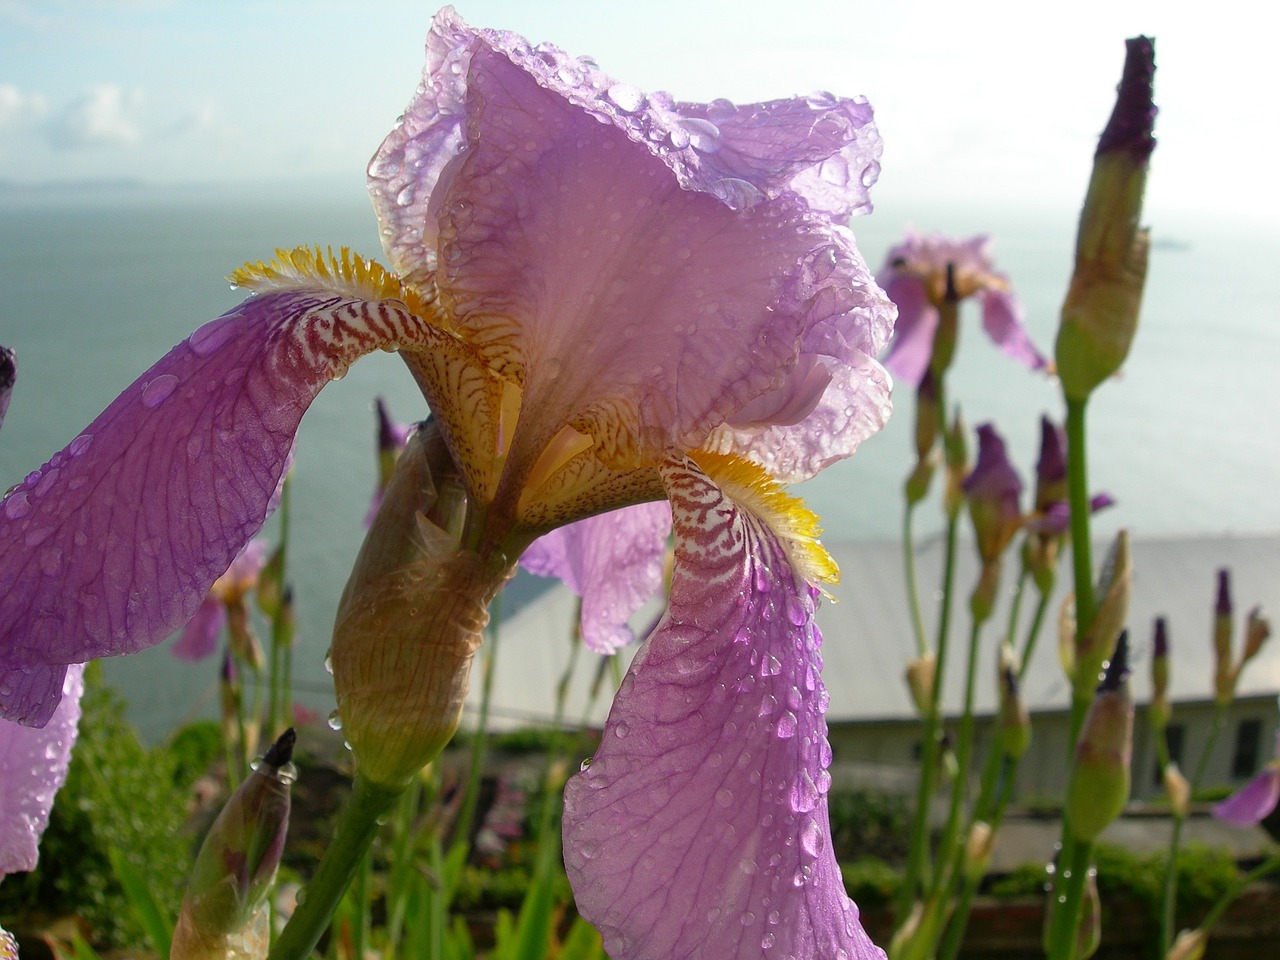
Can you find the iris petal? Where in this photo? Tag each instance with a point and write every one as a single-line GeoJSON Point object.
{"type": "Point", "coordinates": [33, 766]}
{"type": "Point", "coordinates": [613, 562]}
{"type": "Point", "coordinates": [112, 545]}
{"type": "Point", "coordinates": [1253, 802]}
{"type": "Point", "coordinates": [700, 827]}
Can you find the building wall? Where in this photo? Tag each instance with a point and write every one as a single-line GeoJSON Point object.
{"type": "Point", "coordinates": [1250, 722]}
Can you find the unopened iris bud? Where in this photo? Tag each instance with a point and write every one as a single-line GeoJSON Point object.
{"type": "Point", "coordinates": [271, 584]}
{"type": "Point", "coordinates": [920, 678]}
{"type": "Point", "coordinates": [917, 486]}
{"type": "Point", "coordinates": [1067, 636]}
{"type": "Point", "coordinates": [1224, 678]}
{"type": "Point", "coordinates": [229, 698]}
{"type": "Point", "coordinates": [1189, 945]}
{"type": "Point", "coordinates": [1257, 630]}
{"type": "Point", "coordinates": [224, 912]}
{"type": "Point", "coordinates": [992, 491]}
{"type": "Point", "coordinates": [1094, 646]}
{"type": "Point", "coordinates": [1099, 785]}
{"type": "Point", "coordinates": [410, 620]}
{"type": "Point", "coordinates": [288, 623]}
{"type": "Point", "coordinates": [1177, 789]}
{"type": "Point", "coordinates": [1089, 933]}
{"type": "Point", "coordinates": [8, 376]}
{"type": "Point", "coordinates": [977, 849]}
{"type": "Point", "coordinates": [1100, 314]}
{"type": "Point", "coordinates": [1160, 711]}
{"type": "Point", "coordinates": [929, 416]}
{"type": "Point", "coordinates": [1014, 718]}
{"type": "Point", "coordinates": [956, 446]}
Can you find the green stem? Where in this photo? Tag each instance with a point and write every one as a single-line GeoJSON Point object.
{"type": "Point", "coordinates": [1073, 871]}
{"type": "Point", "coordinates": [357, 827]}
{"type": "Point", "coordinates": [909, 570]}
{"type": "Point", "coordinates": [1078, 498]}
{"type": "Point", "coordinates": [1168, 917]}
{"type": "Point", "coordinates": [281, 681]}
{"type": "Point", "coordinates": [1237, 888]}
{"type": "Point", "coordinates": [918, 855]}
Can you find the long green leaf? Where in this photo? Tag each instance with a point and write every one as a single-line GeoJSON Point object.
{"type": "Point", "coordinates": [157, 926]}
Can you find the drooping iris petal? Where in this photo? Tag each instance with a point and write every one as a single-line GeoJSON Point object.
{"type": "Point", "coordinates": [111, 546]}
{"type": "Point", "coordinates": [700, 827]}
{"type": "Point", "coordinates": [33, 766]}
{"type": "Point", "coordinates": [613, 562]}
{"type": "Point", "coordinates": [912, 347]}
{"type": "Point", "coordinates": [1002, 318]}
{"type": "Point", "coordinates": [1253, 802]}
{"type": "Point", "coordinates": [607, 301]}
{"type": "Point", "coordinates": [200, 636]}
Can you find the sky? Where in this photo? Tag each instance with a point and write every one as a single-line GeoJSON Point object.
{"type": "Point", "coordinates": [983, 100]}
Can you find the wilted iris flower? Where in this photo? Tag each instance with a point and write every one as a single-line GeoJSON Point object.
{"type": "Point", "coordinates": [607, 298]}
{"type": "Point", "coordinates": [923, 273]}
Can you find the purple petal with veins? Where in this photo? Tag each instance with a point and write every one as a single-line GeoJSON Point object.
{"type": "Point", "coordinates": [700, 827]}
{"type": "Point", "coordinates": [33, 766]}
{"type": "Point", "coordinates": [613, 562]}
{"type": "Point", "coordinates": [112, 545]}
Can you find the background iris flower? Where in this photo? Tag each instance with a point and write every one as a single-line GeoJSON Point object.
{"type": "Point", "coordinates": [607, 298]}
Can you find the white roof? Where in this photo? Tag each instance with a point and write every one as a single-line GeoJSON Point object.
{"type": "Point", "coordinates": [868, 636]}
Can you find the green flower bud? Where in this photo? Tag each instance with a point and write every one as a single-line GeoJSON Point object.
{"type": "Point", "coordinates": [224, 911]}
{"type": "Point", "coordinates": [1099, 786]}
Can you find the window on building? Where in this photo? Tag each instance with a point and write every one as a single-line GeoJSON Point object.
{"type": "Point", "coordinates": [1248, 743]}
{"type": "Point", "coordinates": [1174, 738]}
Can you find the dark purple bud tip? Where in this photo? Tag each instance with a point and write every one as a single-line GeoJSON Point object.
{"type": "Point", "coordinates": [1223, 605]}
{"type": "Point", "coordinates": [8, 369]}
{"type": "Point", "coordinates": [1117, 671]}
{"type": "Point", "coordinates": [1134, 117]}
{"type": "Point", "coordinates": [1051, 467]}
{"type": "Point", "coordinates": [281, 752]}
{"type": "Point", "coordinates": [387, 438]}
{"type": "Point", "coordinates": [1160, 643]}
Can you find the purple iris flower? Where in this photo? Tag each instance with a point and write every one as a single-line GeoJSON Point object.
{"type": "Point", "coordinates": [1253, 802]}
{"type": "Point", "coordinates": [607, 298]}
{"type": "Point", "coordinates": [199, 637]}
{"type": "Point", "coordinates": [33, 762]}
{"type": "Point", "coordinates": [915, 277]}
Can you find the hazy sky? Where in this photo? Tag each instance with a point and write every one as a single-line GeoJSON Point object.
{"type": "Point", "coordinates": [980, 99]}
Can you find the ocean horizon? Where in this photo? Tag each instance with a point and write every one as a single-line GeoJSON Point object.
{"type": "Point", "coordinates": [99, 281]}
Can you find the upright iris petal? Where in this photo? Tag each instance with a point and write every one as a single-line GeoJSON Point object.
{"type": "Point", "coordinates": [700, 827]}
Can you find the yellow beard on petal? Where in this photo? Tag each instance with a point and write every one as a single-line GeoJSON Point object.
{"type": "Point", "coordinates": [795, 525]}
{"type": "Point", "coordinates": [348, 274]}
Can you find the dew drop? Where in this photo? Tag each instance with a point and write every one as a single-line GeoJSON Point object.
{"type": "Point", "coordinates": [702, 135]}
{"type": "Point", "coordinates": [793, 697]}
{"type": "Point", "coordinates": [768, 705]}
{"type": "Point", "coordinates": [621, 731]}
{"type": "Point", "coordinates": [724, 797]}
{"type": "Point", "coordinates": [811, 837]}
{"type": "Point", "coordinates": [16, 506]}
{"type": "Point", "coordinates": [582, 767]}
{"type": "Point", "coordinates": [747, 918]}
{"type": "Point", "coordinates": [767, 941]}
{"type": "Point", "coordinates": [158, 390]}
{"type": "Point", "coordinates": [335, 721]}
{"type": "Point", "coordinates": [210, 337]}
{"type": "Point", "coordinates": [786, 728]}
{"type": "Point", "coordinates": [405, 196]}
{"type": "Point", "coordinates": [628, 98]}
{"type": "Point", "coordinates": [80, 444]}
{"type": "Point", "coordinates": [774, 917]}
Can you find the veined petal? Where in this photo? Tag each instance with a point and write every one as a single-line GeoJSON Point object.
{"type": "Point", "coordinates": [111, 546]}
{"type": "Point", "coordinates": [598, 247]}
{"type": "Point", "coordinates": [33, 766]}
{"type": "Point", "coordinates": [613, 562]}
{"type": "Point", "coordinates": [700, 827]}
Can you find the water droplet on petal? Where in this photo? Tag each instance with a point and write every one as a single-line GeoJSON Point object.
{"type": "Point", "coordinates": [405, 196]}
{"type": "Point", "coordinates": [724, 797]}
{"type": "Point", "coordinates": [80, 444]}
{"type": "Point", "coordinates": [766, 942]}
{"type": "Point", "coordinates": [628, 98]}
{"type": "Point", "coordinates": [17, 506]}
{"type": "Point", "coordinates": [158, 390]}
{"type": "Point", "coordinates": [786, 728]}
{"type": "Point", "coordinates": [811, 837]}
{"type": "Point", "coordinates": [335, 721]}
{"type": "Point", "coordinates": [582, 767]}
{"type": "Point", "coordinates": [621, 730]}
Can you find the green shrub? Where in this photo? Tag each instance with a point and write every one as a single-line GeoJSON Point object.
{"type": "Point", "coordinates": [118, 794]}
{"type": "Point", "coordinates": [870, 881]}
{"type": "Point", "coordinates": [868, 823]}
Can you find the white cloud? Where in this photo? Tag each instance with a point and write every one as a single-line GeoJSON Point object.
{"type": "Point", "coordinates": [18, 108]}
{"type": "Point", "coordinates": [98, 118]}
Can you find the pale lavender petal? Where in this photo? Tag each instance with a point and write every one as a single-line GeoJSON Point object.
{"type": "Point", "coordinates": [613, 561]}
{"type": "Point", "coordinates": [33, 766]}
{"type": "Point", "coordinates": [112, 545]}
{"type": "Point", "coordinates": [912, 347]}
{"type": "Point", "coordinates": [700, 827]}
{"type": "Point", "coordinates": [1002, 319]}
{"type": "Point", "coordinates": [614, 299]}
{"type": "Point", "coordinates": [200, 636]}
{"type": "Point", "coordinates": [821, 147]}
{"type": "Point", "coordinates": [1251, 804]}
{"type": "Point", "coordinates": [8, 374]}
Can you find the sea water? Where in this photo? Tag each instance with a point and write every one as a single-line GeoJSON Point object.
{"type": "Point", "coordinates": [97, 284]}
